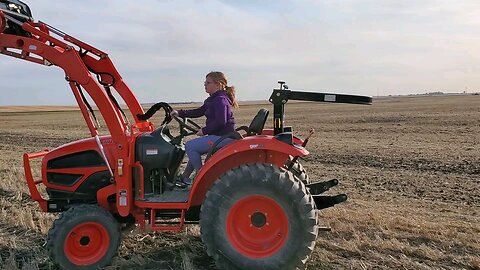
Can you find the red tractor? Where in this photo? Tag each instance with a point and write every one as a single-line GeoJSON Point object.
{"type": "Point", "coordinates": [254, 202]}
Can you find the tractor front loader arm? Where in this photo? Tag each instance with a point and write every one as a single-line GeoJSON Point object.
{"type": "Point", "coordinates": [21, 37]}
{"type": "Point", "coordinates": [86, 69]}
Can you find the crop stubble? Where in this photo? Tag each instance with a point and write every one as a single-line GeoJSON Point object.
{"type": "Point", "coordinates": [410, 165]}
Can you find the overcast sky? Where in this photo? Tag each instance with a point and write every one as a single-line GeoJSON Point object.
{"type": "Point", "coordinates": [163, 49]}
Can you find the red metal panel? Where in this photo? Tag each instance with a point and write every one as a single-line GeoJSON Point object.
{"type": "Point", "coordinates": [102, 196]}
{"type": "Point", "coordinates": [141, 189]}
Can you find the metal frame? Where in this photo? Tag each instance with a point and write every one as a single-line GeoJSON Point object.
{"type": "Point", "coordinates": [281, 96]}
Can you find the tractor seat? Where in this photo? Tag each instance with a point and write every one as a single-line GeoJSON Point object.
{"type": "Point", "coordinates": [255, 128]}
{"type": "Point", "coordinates": [257, 124]}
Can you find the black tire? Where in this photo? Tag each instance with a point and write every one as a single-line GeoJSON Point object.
{"type": "Point", "coordinates": [78, 238]}
{"type": "Point", "coordinates": [299, 171]}
{"type": "Point", "coordinates": [239, 237]}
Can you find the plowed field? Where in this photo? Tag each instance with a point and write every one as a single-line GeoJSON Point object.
{"type": "Point", "coordinates": [410, 166]}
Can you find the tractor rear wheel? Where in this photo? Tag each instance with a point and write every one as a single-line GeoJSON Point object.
{"type": "Point", "coordinates": [258, 216]}
{"type": "Point", "coordinates": [299, 171]}
{"type": "Point", "coordinates": [84, 237]}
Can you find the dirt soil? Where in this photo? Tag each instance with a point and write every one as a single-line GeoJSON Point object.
{"type": "Point", "coordinates": [410, 166]}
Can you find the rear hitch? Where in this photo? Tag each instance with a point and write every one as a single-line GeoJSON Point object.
{"type": "Point", "coordinates": [321, 187]}
{"type": "Point", "coordinates": [323, 202]}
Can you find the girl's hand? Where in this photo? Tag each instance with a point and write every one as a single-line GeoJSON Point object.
{"type": "Point", "coordinates": [200, 133]}
{"type": "Point", "coordinates": [174, 113]}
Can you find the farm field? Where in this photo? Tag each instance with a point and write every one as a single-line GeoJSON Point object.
{"type": "Point", "coordinates": [410, 166]}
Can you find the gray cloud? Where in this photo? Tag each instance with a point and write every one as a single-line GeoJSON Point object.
{"type": "Point", "coordinates": [163, 49]}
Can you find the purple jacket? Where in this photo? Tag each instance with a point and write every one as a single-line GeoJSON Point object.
{"type": "Point", "coordinates": [217, 108]}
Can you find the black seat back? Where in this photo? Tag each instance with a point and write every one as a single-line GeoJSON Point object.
{"type": "Point", "coordinates": [258, 122]}
{"type": "Point", "coordinates": [255, 128]}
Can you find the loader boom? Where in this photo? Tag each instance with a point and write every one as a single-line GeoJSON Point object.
{"type": "Point", "coordinates": [88, 68]}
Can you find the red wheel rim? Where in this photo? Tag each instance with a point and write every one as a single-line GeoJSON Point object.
{"type": "Point", "coordinates": [87, 243]}
{"type": "Point", "coordinates": [257, 226]}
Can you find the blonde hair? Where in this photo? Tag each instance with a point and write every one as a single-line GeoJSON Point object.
{"type": "Point", "coordinates": [221, 79]}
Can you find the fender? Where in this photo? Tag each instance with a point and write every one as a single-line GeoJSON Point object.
{"type": "Point", "coordinates": [102, 198]}
{"type": "Point", "coordinates": [262, 148]}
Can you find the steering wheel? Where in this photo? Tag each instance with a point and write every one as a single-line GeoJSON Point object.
{"type": "Point", "coordinates": [187, 126]}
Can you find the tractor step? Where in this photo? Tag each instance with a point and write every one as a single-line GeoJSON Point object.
{"type": "Point", "coordinates": [321, 187]}
{"type": "Point", "coordinates": [175, 196]}
{"type": "Point", "coordinates": [323, 202]}
{"type": "Point", "coordinates": [159, 223]}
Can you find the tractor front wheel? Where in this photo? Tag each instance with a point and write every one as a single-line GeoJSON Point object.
{"type": "Point", "coordinates": [258, 216]}
{"type": "Point", "coordinates": [84, 237]}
